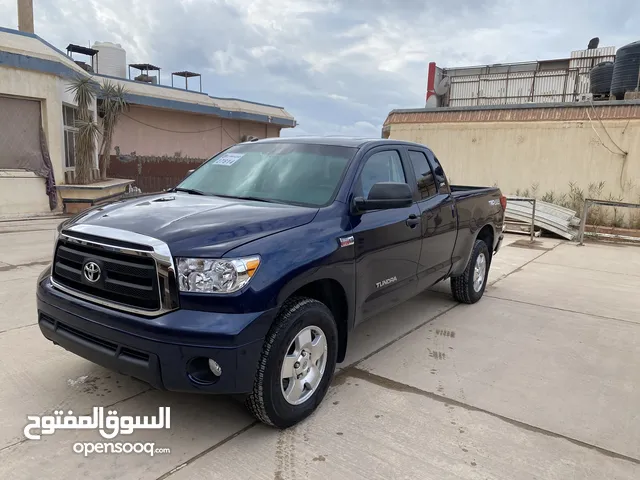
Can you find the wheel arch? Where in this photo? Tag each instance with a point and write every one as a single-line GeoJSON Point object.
{"type": "Point", "coordinates": [488, 234]}
{"type": "Point", "coordinates": [331, 293]}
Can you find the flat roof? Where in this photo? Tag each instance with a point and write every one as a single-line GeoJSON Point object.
{"type": "Point", "coordinates": [186, 74]}
{"type": "Point", "coordinates": [144, 66]}
{"type": "Point", "coordinates": [80, 49]}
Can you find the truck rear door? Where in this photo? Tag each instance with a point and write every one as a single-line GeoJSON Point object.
{"type": "Point", "coordinates": [438, 214]}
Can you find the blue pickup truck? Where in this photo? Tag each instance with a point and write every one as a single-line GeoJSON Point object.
{"type": "Point", "coordinates": [249, 276]}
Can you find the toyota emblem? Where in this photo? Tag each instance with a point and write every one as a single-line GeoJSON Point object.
{"type": "Point", "coordinates": [91, 271]}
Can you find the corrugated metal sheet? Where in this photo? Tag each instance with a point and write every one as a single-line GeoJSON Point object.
{"type": "Point", "coordinates": [553, 218]}
{"type": "Point", "coordinates": [550, 86]}
{"type": "Point", "coordinates": [578, 57]}
{"type": "Point", "coordinates": [493, 89]}
{"type": "Point", "coordinates": [464, 91]}
{"type": "Point", "coordinates": [584, 60]}
{"type": "Point", "coordinates": [519, 87]}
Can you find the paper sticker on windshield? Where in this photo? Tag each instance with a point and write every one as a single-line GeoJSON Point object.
{"type": "Point", "coordinates": [228, 159]}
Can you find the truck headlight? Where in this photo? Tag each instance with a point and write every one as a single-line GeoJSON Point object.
{"type": "Point", "coordinates": [203, 275]}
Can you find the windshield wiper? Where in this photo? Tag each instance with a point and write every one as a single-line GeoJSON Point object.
{"type": "Point", "coordinates": [187, 190]}
{"type": "Point", "coordinates": [255, 199]}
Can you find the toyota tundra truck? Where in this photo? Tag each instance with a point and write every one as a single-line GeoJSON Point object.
{"type": "Point", "coordinates": [248, 277]}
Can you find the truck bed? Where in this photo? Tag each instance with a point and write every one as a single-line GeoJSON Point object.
{"type": "Point", "coordinates": [464, 191]}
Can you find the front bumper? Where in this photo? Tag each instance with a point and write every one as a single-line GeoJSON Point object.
{"type": "Point", "coordinates": [157, 350]}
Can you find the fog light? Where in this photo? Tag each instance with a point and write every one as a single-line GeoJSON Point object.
{"type": "Point", "coordinates": [203, 371]}
{"type": "Point", "coordinates": [214, 367]}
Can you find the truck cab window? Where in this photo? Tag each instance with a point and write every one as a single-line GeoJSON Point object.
{"type": "Point", "coordinates": [441, 180]}
{"type": "Point", "coordinates": [380, 167]}
{"type": "Point", "coordinates": [424, 175]}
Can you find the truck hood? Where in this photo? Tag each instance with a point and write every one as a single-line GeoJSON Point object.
{"type": "Point", "coordinates": [197, 225]}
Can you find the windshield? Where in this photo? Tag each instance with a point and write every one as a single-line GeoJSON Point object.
{"type": "Point", "coordinates": [293, 173]}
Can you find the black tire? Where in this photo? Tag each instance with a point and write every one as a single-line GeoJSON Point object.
{"type": "Point", "coordinates": [267, 402]}
{"type": "Point", "coordinates": [462, 287]}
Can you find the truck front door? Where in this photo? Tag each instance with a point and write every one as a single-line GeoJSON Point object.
{"type": "Point", "coordinates": [387, 242]}
{"type": "Point", "coordinates": [439, 226]}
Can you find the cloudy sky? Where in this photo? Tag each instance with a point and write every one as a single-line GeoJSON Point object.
{"type": "Point", "coordinates": [339, 66]}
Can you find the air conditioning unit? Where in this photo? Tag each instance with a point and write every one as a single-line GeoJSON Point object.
{"type": "Point", "coordinates": [585, 97]}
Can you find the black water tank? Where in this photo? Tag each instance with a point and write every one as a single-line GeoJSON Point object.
{"type": "Point", "coordinates": [626, 69]}
{"type": "Point", "coordinates": [600, 78]}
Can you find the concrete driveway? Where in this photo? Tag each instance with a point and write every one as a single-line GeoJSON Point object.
{"type": "Point", "coordinates": [540, 379]}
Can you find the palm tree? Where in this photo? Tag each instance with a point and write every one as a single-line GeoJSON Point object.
{"type": "Point", "coordinates": [84, 91]}
{"type": "Point", "coordinates": [112, 105]}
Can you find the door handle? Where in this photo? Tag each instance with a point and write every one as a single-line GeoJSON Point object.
{"type": "Point", "coordinates": [412, 221]}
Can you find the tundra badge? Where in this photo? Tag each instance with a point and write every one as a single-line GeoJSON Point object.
{"type": "Point", "coordinates": [386, 282]}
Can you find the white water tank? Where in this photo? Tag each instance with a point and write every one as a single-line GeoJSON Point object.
{"type": "Point", "coordinates": [112, 59]}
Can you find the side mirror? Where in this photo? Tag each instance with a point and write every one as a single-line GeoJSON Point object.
{"type": "Point", "coordinates": [384, 196]}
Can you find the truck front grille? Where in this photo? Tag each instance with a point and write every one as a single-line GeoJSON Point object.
{"type": "Point", "coordinates": [126, 279]}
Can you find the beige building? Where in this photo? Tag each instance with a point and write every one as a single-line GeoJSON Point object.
{"type": "Point", "coordinates": [542, 148]}
{"type": "Point", "coordinates": [163, 123]}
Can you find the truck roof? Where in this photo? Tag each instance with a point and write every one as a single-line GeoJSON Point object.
{"type": "Point", "coordinates": [335, 141]}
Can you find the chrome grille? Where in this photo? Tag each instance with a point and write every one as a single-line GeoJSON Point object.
{"type": "Point", "coordinates": [134, 277]}
{"type": "Point", "coordinates": [124, 279]}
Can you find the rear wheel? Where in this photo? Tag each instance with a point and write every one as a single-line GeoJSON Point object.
{"type": "Point", "coordinates": [469, 287]}
{"type": "Point", "coordinates": [297, 364]}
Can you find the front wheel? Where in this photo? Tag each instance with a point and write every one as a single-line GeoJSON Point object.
{"type": "Point", "coordinates": [469, 287]}
{"type": "Point", "coordinates": [297, 364]}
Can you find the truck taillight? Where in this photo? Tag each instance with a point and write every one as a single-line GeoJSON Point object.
{"type": "Point", "coordinates": [503, 202]}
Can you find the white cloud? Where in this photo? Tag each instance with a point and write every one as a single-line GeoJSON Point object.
{"type": "Point", "coordinates": [226, 62]}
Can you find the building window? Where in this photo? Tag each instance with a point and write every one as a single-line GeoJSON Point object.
{"type": "Point", "coordinates": [70, 134]}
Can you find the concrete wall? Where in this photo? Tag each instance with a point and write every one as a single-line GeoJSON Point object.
{"type": "Point", "coordinates": [157, 132]}
{"type": "Point", "coordinates": [517, 155]}
{"type": "Point", "coordinates": [22, 193]}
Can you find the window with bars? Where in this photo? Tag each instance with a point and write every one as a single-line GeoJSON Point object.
{"type": "Point", "coordinates": [70, 135]}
